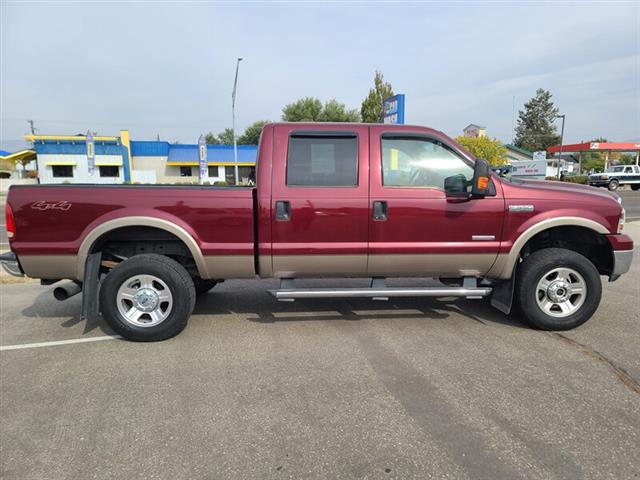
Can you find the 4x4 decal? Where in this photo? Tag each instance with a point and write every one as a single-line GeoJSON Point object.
{"type": "Point", "coordinates": [42, 205]}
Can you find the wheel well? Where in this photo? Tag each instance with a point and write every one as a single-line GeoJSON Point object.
{"type": "Point", "coordinates": [121, 243]}
{"type": "Point", "coordinates": [582, 240]}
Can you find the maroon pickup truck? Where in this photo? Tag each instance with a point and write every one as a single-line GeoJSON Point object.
{"type": "Point", "coordinates": [332, 200]}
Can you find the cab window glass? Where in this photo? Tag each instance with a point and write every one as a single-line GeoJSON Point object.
{"type": "Point", "coordinates": [322, 161]}
{"type": "Point", "coordinates": [420, 162]}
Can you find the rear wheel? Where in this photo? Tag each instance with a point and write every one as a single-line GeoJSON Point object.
{"type": "Point", "coordinates": [147, 298]}
{"type": "Point", "coordinates": [557, 289]}
{"type": "Point", "coordinates": [635, 187]}
{"type": "Point", "coordinates": [613, 185]}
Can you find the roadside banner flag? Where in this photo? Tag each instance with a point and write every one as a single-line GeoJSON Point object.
{"type": "Point", "coordinates": [91, 153]}
{"type": "Point", "coordinates": [202, 157]}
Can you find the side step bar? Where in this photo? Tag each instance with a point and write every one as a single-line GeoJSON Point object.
{"type": "Point", "coordinates": [288, 293]}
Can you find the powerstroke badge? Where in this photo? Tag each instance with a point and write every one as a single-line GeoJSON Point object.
{"type": "Point", "coordinates": [42, 205]}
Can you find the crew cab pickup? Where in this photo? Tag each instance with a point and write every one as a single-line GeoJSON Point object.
{"type": "Point", "coordinates": [330, 201]}
{"type": "Point", "coordinates": [614, 177]}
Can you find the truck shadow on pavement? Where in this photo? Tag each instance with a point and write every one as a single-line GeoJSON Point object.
{"type": "Point", "coordinates": [256, 305]}
{"type": "Point", "coordinates": [260, 307]}
{"type": "Point", "coordinates": [46, 307]}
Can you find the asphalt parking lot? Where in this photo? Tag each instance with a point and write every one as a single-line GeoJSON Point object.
{"type": "Point", "coordinates": [321, 389]}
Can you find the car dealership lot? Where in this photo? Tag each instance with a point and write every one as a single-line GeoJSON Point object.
{"type": "Point", "coordinates": [321, 389]}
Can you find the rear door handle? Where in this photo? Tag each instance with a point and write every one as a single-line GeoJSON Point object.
{"type": "Point", "coordinates": [283, 211]}
{"type": "Point", "coordinates": [379, 211]}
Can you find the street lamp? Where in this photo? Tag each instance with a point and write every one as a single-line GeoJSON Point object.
{"type": "Point", "coordinates": [561, 139]}
{"type": "Point", "coordinates": [233, 120]}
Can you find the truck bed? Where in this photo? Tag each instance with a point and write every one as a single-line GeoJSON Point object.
{"type": "Point", "coordinates": [55, 221]}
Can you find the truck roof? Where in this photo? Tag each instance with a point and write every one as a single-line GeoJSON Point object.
{"type": "Point", "coordinates": [346, 125]}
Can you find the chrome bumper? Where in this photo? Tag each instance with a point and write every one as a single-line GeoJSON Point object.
{"type": "Point", "coordinates": [621, 263]}
{"type": "Point", "coordinates": [10, 264]}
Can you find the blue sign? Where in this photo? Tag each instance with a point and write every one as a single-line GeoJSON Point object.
{"type": "Point", "coordinates": [202, 156]}
{"type": "Point", "coordinates": [91, 153]}
{"type": "Point", "coordinates": [393, 109]}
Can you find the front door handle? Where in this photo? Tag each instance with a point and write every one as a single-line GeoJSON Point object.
{"type": "Point", "coordinates": [283, 211]}
{"type": "Point", "coordinates": [379, 211]}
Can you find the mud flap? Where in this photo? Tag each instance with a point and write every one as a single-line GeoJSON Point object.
{"type": "Point", "coordinates": [90, 287]}
{"type": "Point", "coordinates": [502, 294]}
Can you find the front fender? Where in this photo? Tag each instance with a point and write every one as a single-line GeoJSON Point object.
{"type": "Point", "coordinates": [510, 249]}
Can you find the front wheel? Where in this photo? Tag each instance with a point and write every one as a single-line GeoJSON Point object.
{"type": "Point", "coordinates": [147, 298]}
{"type": "Point", "coordinates": [557, 289]}
{"type": "Point", "coordinates": [613, 185]}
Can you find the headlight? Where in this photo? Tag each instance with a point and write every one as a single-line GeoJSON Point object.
{"type": "Point", "coordinates": [604, 177]}
{"type": "Point", "coordinates": [621, 221]}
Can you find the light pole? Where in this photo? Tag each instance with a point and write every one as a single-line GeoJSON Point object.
{"type": "Point", "coordinates": [561, 139]}
{"type": "Point", "coordinates": [233, 120]}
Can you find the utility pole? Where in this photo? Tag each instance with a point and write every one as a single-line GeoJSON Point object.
{"type": "Point", "coordinates": [233, 120]}
{"type": "Point", "coordinates": [32, 126]}
{"type": "Point", "coordinates": [561, 139]}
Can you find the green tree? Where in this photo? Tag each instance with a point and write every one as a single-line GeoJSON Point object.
{"type": "Point", "coordinates": [310, 109]}
{"type": "Point", "coordinates": [226, 137]}
{"type": "Point", "coordinates": [371, 109]}
{"type": "Point", "coordinates": [490, 149]}
{"type": "Point", "coordinates": [211, 139]}
{"type": "Point", "coordinates": [536, 129]}
{"type": "Point", "coordinates": [593, 160]}
{"type": "Point", "coordinates": [627, 159]}
{"type": "Point", "coordinates": [334, 111]}
{"type": "Point", "coordinates": [306, 109]}
{"type": "Point", "coordinates": [251, 135]}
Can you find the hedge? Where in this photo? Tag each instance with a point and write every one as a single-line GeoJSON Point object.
{"type": "Point", "coordinates": [582, 179]}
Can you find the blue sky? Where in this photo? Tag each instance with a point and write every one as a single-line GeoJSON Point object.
{"type": "Point", "coordinates": [167, 68]}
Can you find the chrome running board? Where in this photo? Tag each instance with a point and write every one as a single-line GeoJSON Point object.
{"type": "Point", "coordinates": [287, 293]}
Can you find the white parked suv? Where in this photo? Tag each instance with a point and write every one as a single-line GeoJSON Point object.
{"type": "Point", "coordinates": [613, 177]}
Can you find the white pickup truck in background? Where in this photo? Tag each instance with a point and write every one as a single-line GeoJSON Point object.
{"type": "Point", "coordinates": [613, 177]}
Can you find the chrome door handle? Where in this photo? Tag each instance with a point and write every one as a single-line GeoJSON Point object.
{"type": "Point", "coordinates": [283, 211]}
{"type": "Point", "coordinates": [379, 211]}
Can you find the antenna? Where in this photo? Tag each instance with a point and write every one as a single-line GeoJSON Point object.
{"type": "Point", "coordinates": [513, 117]}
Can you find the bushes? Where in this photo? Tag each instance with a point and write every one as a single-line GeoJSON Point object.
{"type": "Point", "coordinates": [581, 179]}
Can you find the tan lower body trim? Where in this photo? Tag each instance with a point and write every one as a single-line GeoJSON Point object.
{"type": "Point", "coordinates": [230, 266]}
{"type": "Point", "coordinates": [49, 266]}
{"type": "Point", "coordinates": [427, 265]}
{"type": "Point", "coordinates": [298, 266]}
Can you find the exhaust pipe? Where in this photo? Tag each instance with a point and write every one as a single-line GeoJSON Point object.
{"type": "Point", "coordinates": [67, 290]}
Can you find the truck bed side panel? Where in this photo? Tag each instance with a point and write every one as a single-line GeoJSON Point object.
{"type": "Point", "coordinates": [53, 223]}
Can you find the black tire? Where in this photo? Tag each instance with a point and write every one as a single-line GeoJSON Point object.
{"type": "Point", "coordinates": [635, 187]}
{"type": "Point", "coordinates": [203, 286]}
{"type": "Point", "coordinates": [176, 278]}
{"type": "Point", "coordinates": [613, 185]}
{"type": "Point", "coordinates": [537, 265]}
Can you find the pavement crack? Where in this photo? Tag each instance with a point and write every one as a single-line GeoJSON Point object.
{"type": "Point", "coordinates": [618, 371]}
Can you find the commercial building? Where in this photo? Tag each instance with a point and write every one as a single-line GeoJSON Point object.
{"type": "Point", "coordinates": [118, 159]}
{"type": "Point", "coordinates": [474, 131]}
{"type": "Point", "coordinates": [517, 154]}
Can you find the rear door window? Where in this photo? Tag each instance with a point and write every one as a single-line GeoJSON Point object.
{"type": "Point", "coordinates": [322, 161]}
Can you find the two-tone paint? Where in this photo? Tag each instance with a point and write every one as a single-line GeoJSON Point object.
{"type": "Point", "coordinates": [233, 232]}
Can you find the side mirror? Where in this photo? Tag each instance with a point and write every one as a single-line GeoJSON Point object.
{"type": "Point", "coordinates": [481, 185]}
{"type": "Point", "coordinates": [456, 185]}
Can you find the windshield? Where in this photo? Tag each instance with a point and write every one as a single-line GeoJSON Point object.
{"type": "Point", "coordinates": [614, 169]}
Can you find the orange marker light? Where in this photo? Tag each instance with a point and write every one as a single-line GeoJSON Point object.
{"type": "Point", "coordinates": [483, 183]}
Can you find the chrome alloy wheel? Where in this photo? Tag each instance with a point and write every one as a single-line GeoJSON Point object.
{"type": "Point", "coordinates": [144, 300]}
{"type": "Point", "coordinates": [561, 292]}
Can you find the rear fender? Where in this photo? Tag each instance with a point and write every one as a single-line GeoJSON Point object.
{"type": "Point", "coordinates": [139, 221]}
